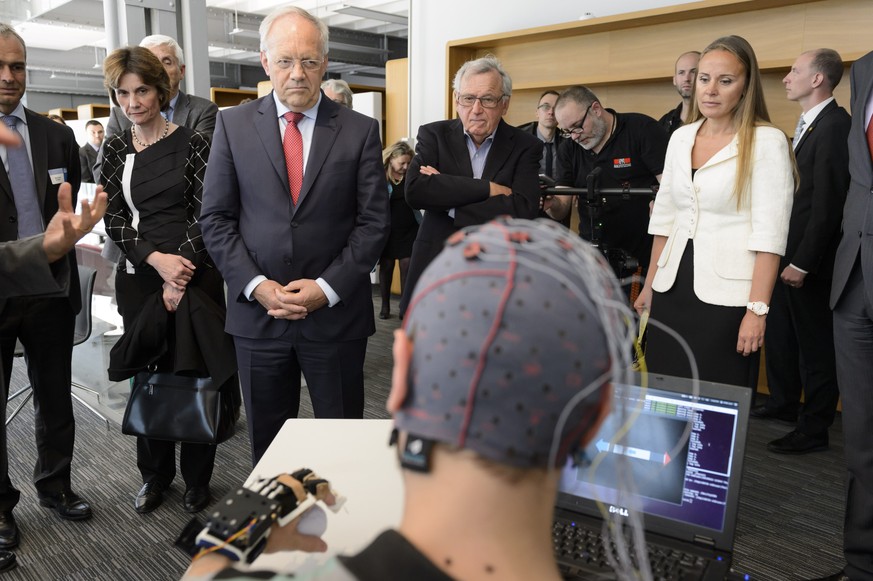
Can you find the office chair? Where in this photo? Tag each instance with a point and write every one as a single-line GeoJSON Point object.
{"type": "Point", "coordinates": [81, 333]}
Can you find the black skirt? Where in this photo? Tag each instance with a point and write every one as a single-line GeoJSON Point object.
{"type": "Point", "coordinates": [710, 330]}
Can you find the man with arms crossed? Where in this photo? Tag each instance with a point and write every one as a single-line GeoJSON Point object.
{"type": "Point", "coordinates": [295, 215]}
{"type": "Point", "coordinates": [469, 170]}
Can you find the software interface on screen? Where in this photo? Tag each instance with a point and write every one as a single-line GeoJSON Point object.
{"type": "Point", "coordinates": [679, 449]}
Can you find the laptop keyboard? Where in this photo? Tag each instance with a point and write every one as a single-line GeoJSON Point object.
{"type": "Point", "coordinates": [582, 555]}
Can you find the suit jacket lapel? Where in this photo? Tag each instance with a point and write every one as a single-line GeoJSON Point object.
{"type": "Point", "coordinates": [458, 148]}
{"type": "Point", "coordinates": [501, 148]}
{"type": "Point", "coordinates": [323, 137]}
{"type": "Point", "coordinates": [5, 185]}
{"type": "Point", "coordinates": [267, 128]}
{"type": "Point", "coordinates": [828, 108]}
{"type": "Point", "coordinates": [180, 112]}
{"type": "Point", "coordinates": [38, 154]}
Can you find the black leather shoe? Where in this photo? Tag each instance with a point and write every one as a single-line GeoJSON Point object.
{"type": "Point", "coordinates": [835, 577]}
{"type": "Point", "coordinates": [762, 412]}
{"type": "Point", "coordinates": [384, 314]}
{"type": "Point", "coordinates": [9, 536]}
{"type": "Point", "coordinates": [149, 497]}
{"type": "Point", "coordinates": [7, 561]}
{"type": "Point", "coordinates": [67, 504]}
{"type": "Point", "coordinates": [196, 498]}
{"type": "Point", "coordinates": [797, 442]}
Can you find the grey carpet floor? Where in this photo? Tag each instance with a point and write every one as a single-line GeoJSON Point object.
{"type": "Point", "coordinates": [789, 525]}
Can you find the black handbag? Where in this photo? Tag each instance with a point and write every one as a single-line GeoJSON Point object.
{"type": "Point", "coordinates": [165, 406]}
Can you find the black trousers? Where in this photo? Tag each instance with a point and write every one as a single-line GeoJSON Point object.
{"type": "Point", "coordinates": [45, 328]}
{"type": "Point", "coordinates": [156, 459]}
{"type": "Point", "coordinates": [800, 354]}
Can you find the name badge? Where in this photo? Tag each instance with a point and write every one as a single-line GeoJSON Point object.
{"type": "Point", "coordinates": [57, 176]}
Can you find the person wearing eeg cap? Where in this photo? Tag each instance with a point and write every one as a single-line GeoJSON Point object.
{"type": "Point", "coordinates": [502, 372]}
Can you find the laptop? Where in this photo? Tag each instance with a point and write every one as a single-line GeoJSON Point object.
{"type": "Point", "coordinates": [685, 450]}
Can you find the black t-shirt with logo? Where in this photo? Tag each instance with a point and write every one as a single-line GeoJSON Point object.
{"type": "Point", "coordinates": [632, 157]}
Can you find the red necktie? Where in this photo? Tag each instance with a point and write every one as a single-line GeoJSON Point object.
{"type": "Point", "coordinates": [292, 145]}
{"type": "Point", "coordinates": [870, 138]}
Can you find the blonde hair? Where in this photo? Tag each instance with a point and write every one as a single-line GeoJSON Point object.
{"type": "Point", "coordinates": [396, 150]}
{"type": "Point", "coordinates": [751, 111]}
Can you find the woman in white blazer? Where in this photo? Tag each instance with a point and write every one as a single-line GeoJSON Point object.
{"type": "Point", "coordinates": [720, 223]}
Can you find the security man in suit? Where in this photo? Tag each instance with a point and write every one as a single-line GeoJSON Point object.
{"type": "Point", "coordinates": [469, 170]}
{"type": "Point", "coordinates": [852, 303]}
{"type": "Point", "coordinates": [295, 215]}
{"type": "Point", "coordinates": [88, 152]}
{"type": "Point", "coordinates": [799, 335]}
{"type": "Point", "coordinates": [32, 174]}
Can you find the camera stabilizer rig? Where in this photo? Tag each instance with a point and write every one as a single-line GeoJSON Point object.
{"type": "Point", "coordinates": [595, 198]}
{"type": "Point", "coordinates": [240, 523]}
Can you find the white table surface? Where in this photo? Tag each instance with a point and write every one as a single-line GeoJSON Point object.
{"type": "Point", "coordinates": [354, 456]}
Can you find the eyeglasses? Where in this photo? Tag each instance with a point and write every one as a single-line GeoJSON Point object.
{"type": "Point", "coordinates": [488, 102]}
{"type": "Point", "coordinates": [579, 129]}
{"type": "Point", "coordinates": [305, 64]}
{"type": "Point", "coordinates": [545, 107]}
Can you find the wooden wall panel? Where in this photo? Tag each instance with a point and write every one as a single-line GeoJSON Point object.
{"type": "Point", "coordinates": [628, 59]}
{"type": "Point", "coordinates": [396, 100]}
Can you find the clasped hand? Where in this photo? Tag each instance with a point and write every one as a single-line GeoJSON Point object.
{"type": "Point", "coordinates": [171, 297]}
{"type": "Point", "coordinates": [174, 269]}
{"type": "Point", "coordinates": [293, 302]}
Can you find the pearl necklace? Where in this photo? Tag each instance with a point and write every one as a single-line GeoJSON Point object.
{"type": "Point", "coordinates": [164, 134]}
{"type": "Point", "coordinates": [392, 180]}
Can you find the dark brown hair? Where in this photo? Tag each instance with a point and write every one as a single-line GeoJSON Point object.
{"type": "Point", "coordinates": [138, 61]}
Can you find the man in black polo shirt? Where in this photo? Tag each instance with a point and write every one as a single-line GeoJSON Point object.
{"type": "Point", "coordinates": [629, 149]}
{"type": "Point", "coordinates": [683, 80]}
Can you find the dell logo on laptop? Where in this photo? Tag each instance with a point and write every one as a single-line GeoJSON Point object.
{"type": "Point", "coordinates": [617, 510]}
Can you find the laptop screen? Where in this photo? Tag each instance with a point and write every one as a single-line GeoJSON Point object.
{"type": "Point", "coordinates": [683, 452]}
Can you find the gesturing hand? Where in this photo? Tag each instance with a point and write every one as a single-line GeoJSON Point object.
{"type": "Point", "coordinates": [66, 228]}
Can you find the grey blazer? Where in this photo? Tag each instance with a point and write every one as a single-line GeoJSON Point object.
{"type": "Point", "coordinates": [25, 271]}
{"type": "Point", "coordinates": [858, 211]}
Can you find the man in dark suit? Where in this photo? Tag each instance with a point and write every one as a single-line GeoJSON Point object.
{"type": "Point", "coordinates": [295, 215]}
{"type": "Point", "coordinates": [88, 152]}
{"type": "Point", "coordinates": [29, 182]}
{"type": "Point", "coordinates": [37, 265]}
{"type": "Point", "coordinates": [852, 303]}
{"type": "Point", "coordinates": [800, 335]}
{"type": "Point", "coordinates": [472, 169]}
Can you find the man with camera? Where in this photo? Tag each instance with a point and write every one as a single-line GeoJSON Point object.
{"type": "Point", "coordinates": [629, 150]}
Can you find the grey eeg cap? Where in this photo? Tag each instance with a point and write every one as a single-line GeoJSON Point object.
{"type": "Point", "coordinates": [506, 332]}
